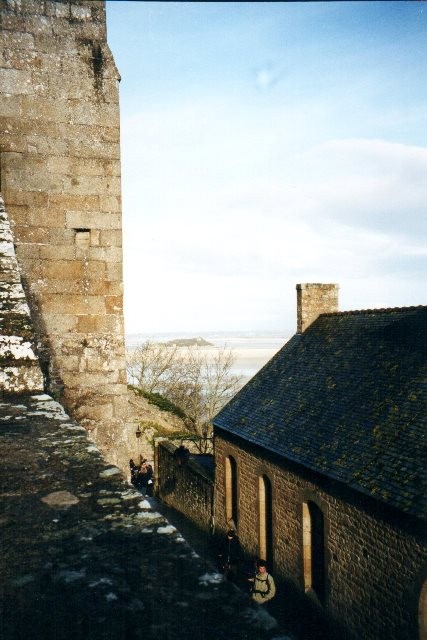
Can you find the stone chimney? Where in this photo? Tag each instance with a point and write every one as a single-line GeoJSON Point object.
{"type": "Point", "coordinates": [314, 299]}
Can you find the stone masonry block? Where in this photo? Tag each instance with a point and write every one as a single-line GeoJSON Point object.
{"type": "Point", "coordinates": [81, 12]}
{"type": "Point", "coordinates": [74, 202]}
{"type": "Point", "coordinates": [114, 271]}
{"type": "Point", "coordinates": [28, 253]}
{"type": "Point", "coordinates": [108, 324]}
{"type": "Point", "coordinates": [58, 164]}
{"type": "Point", "coordinates": [114, 304]}
{"type": "Point", "coordinates": [55, 111]}
{"type": "Point", "coordinates": [48, 252]}
{"type": "Point", "coordinates": [93, 113]}
{"type": "Point", "coordinates": [30, 235]}
{"type": "Point", "coordinates": [12, 22]}
{"type": "Point", "coordinates": [17, 40]}
{"type": "Point", "coordinates": [16, 81]}
{"type": "Point", "coordinates": [112, 204]}
{"type": "Point", "coordinates": [57, 9]}
{"type": "Point", "coordinates": [103, 254]}
{"type": "Point", "coordinates": [60, 323]}
{"type": "Point", "coordinates": [10, 106]}
{"type": "Point", "coordinates": [14, 143]}
{"type": "Point", "coordinates": [69, 304]}
{"type": "Point", "coordinates": [92, 220]}
{"type": "Point", "coordinates": [12, 58]}
{"type": "Point", "coordinates": [111, 238]}
{"type": "Point", "coordinates": [62, 269]}
{"type": "Point", "coordinates": [82, 149]}
{"type": "Point", "coordinates": [113, 288]}
{"type": "Point", "coordinates": [51, 218]}
{"type": "Point", "coordinates": [87, 185]}
{"type": "Point", "coordinates": [60, 236]}
{"type": "Point", "coordinates": [20, 197]}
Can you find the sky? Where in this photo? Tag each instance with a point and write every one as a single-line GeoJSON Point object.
{"type": "Point", "coordinates": [265, 145]}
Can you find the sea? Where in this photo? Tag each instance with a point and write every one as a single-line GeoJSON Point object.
{"type": "Point", "coordinates": [251, 350]}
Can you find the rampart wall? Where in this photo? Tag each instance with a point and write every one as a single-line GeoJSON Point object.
{"type": "Point", "coordinates": [186, 487]}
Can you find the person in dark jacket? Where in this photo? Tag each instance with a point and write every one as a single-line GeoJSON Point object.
{"type": "Point", "coordinates": [144, 476]}
{"type": "Point", "coordinates": [133, 471]}
{"type": "Point", "coordinates": [230, 556]}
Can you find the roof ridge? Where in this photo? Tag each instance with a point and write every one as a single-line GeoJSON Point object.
{"type": "Point", "coordinates": [378, 310]}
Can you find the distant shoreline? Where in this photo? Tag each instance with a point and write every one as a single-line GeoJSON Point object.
{"type": "Point", "coordinates": [251, 350]}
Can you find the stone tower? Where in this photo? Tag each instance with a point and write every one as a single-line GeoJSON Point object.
{"type": "Point", "coordinates": [60, 179]}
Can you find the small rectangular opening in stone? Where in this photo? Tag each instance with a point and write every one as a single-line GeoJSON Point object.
{"type": "Point", "coordinates": [82, 237]}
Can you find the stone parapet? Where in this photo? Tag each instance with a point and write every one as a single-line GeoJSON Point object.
{"type": "Point", "coordinates": [20, 371]}
{"type": "Point", "coordinates": [84, 556]}
{"type": "Point", "coordinates": [188, 487]}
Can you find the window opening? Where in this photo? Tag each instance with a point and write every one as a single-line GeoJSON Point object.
{"type": "Point", "coordinates": [265, 519]}
{"type": "Point", "coordinates": [231, 491]}
{"type": "Point", "coordinates": [313, 549]}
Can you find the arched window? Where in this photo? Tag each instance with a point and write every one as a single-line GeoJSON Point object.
{"type": "Point", "coordinates": [313, 549]}
{"type": "Point", "coordinates": [231, 510]}
{"type": "Point", "coordinates": [422, 613]}
{"type": "Point", "coordinates": [265, 519]}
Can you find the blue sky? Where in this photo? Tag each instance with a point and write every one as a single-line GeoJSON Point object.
{"type": "Point", "coordinates": [266, 144]}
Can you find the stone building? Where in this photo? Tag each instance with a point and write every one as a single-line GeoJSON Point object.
{"type": "Point", "coordinates": [320, 465]}
{"type": "Point", "coordinates": [60, 179]}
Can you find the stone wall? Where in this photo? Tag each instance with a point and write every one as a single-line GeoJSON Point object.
{"type": "Point", "coordinates": [374, 559]}
{"type": "Point", "coordinates": [20, 370]}
{"type": "Point", "coordinates": [60, 178]}
{"type": "Point", "coordinates": [188, 488]}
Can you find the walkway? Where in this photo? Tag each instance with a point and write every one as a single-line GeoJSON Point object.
{"type": "Point", "coordinates": [293, 622]}
{"type": "Point", "coordinates": [82, 556]}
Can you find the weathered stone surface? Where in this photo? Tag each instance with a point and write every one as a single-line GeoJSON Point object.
{"type": "Point", "coordinates": [59, 133]}
{"type": "Point", "coordinates": [83, 556]}
{"type": "Point", "coordinates": [20, 370]}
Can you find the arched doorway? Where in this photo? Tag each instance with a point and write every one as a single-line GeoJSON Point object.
{"type": "Point", "coordinates": [313, 549]}
{"type": "Point", "coordinates": [265, 506]}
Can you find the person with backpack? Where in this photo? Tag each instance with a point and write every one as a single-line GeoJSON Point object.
{"type": "Point", "coordinates": [263, 588]}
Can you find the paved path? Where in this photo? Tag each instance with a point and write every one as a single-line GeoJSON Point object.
{"type": "Point", "coordinates": [83, 556]}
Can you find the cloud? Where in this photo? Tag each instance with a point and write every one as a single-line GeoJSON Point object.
{"type": "Point", "coordinates": [267, 76]}
{"type": "Point", "coordinates": [223, 215]}
{"type": "Point", "coordinates": [368, 184]}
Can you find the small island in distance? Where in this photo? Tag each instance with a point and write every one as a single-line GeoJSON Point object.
{"type": "Point", "coordinates": [190, 342]}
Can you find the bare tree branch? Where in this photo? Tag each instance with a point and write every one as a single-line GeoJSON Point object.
{"type": "Point", "coordinates": [198, 381]}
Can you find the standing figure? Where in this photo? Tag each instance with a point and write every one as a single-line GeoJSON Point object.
{"type": "Point", "coordinates": [230, 556]}
{"type": "Point", "coordinates": [133, 471]}
{"type": "Point", "coordinates": [263, 587]}
{"type": "Point", "coordinates": [144, 476]}
{"type": "Point", "coordinates": [150, 485]}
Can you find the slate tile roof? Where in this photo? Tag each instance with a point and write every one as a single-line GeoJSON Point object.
{"type": "Point", "coordinates": [346, 398]}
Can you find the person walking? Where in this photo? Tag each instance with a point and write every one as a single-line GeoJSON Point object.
{"type": "Point", "coordinates": [230, 556]}
{"type": "Point", "coordinates": [263, 587]}
{"type": "Point", "coordinates": [143, 478]}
